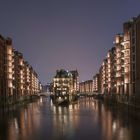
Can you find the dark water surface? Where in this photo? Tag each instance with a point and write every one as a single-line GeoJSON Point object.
{"type": "Point", "coordinates": [87, 120]}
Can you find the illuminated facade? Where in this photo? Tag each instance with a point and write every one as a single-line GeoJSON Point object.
{"type": "Point", "coordinates": [132, 45]}
{"type": "Point", "coordinates": [119, 64]}
{"type": "Point", "coordinates": [82, 87]}
{"type": "Point", "coordinates": [120, 70]}
{"type": "Point", "coordinates": [96, 83]}
{"type": "Point", "coordinates": [27, 78]}
{"type": "Point", "coordinates": [86, 86]}
{"type": "Point", "coordinates": [115, 69]}
{"type": "Point", "coordinates": [17, 78]}
{"type": "Point", "coordinates": [65, 82]}
{"type": "Point", "coordinates": [6, 69]}
{"type": "Point", "coordinates": [19, 74]}
{"type": "Point", "coordinates": [103, 76]}
{"type": "Point", "coordinates": [127, 60]}
{"type": "Point", "coordinates": [75, 82]}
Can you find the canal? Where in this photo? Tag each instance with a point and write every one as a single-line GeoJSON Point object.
{"type": "Point", "coordinates": [87, 120]}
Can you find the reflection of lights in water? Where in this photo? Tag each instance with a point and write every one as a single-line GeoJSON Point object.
{"type": "Point", "coordinates": [41, 100]}
{"type": "Point", "coordinates": [60, 110]}
{"type": "Point", "coordinates": [54, 109]}
{"type": "Point", "coordinates": [25, 115]}
{"type": "Point", "coordinates": [114, 126]}
{"type": "Point", "coordinates": [93, 104]}
{"type": "Point", "coordinates": [70, 107]}
{"type": "Point", "coordinates": [121, 134]}
{"type": "Point", "coordinates": [16, 125]}
{"type": "Point", "coordinates": [51, 103]}
{"type": "Point", "coordinates": [65, 119]}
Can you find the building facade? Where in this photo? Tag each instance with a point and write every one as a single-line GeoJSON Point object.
{"type": "Point", "coordinates": [119, 64]}
{"type": "Point", "coordinates": [86, 86]}
{"type": "Point", "coordinates": [120, 70]}
{"type": "Point", "coordinates": [65, 82]}
{"type": "Point", "coordinates": [75, 77]}
{"type": "Point", "coordinates": [103, 76]}
{"type": "Point", "coordinates": [96, 83]}
{"type": "Point", "coordinates": [6, 72]}
{"type": "Point", "coordinates": [17, 79]}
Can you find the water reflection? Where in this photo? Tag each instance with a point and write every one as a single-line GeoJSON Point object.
{"type": "Point", "coordinates": [65, 121]}
{"type": "Point", "coordinates": [89, 119]}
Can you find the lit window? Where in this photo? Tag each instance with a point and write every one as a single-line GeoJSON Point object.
{"type": "Point", "coordinates": [10, 70]}
{"type": "Point", "coordinates": [9, 51]}
{"type": "Point", "coordinates": [10, 85]}
{"type": "Point", "coordinates": [21, 62]}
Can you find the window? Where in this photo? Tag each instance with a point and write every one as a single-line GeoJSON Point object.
{"type": "Point", "coordinates": [133, 76]}
{"type": "Point", "coordinates": [133, 57]}
{"type": "Point", "coordinates": [9, 51]}
{"type": "Point", "coordinates": [133, 66]}
{"type": "Point", "coordinates": [134, 88]}
{"type": "Point", "coordinates": [133, 40]}
{"type": "Point", "coordinates": [133, 49]}
{"type": "Point", "coordinates": [133, 32]}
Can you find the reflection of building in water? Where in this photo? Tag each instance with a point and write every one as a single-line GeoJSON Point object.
{"type": "Point", "coordinates": [112, 127]}
{"type": "Point", "coordinates": [25, 123]}
{"type": "Point", "coordinates": [65, 121]}
{"type": "Point", "coordinates": [87, 103]}
{"type": "Point", "coordinates": [86, 118]}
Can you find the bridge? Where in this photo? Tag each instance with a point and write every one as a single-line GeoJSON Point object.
{"type": "Point", "coordinates": [46, 94]}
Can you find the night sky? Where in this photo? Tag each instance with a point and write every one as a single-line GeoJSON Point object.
{"type": "Point", "coordinates": [69, 34]}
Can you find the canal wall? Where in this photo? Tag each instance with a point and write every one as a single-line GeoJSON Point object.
{"type": "Point", "coordinates": [131, 103]}
{"type": "Point", "coordinates": [13, 101]}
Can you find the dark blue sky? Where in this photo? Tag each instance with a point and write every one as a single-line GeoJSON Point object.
{"type": "Point", "coordinates": [69, 34]}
